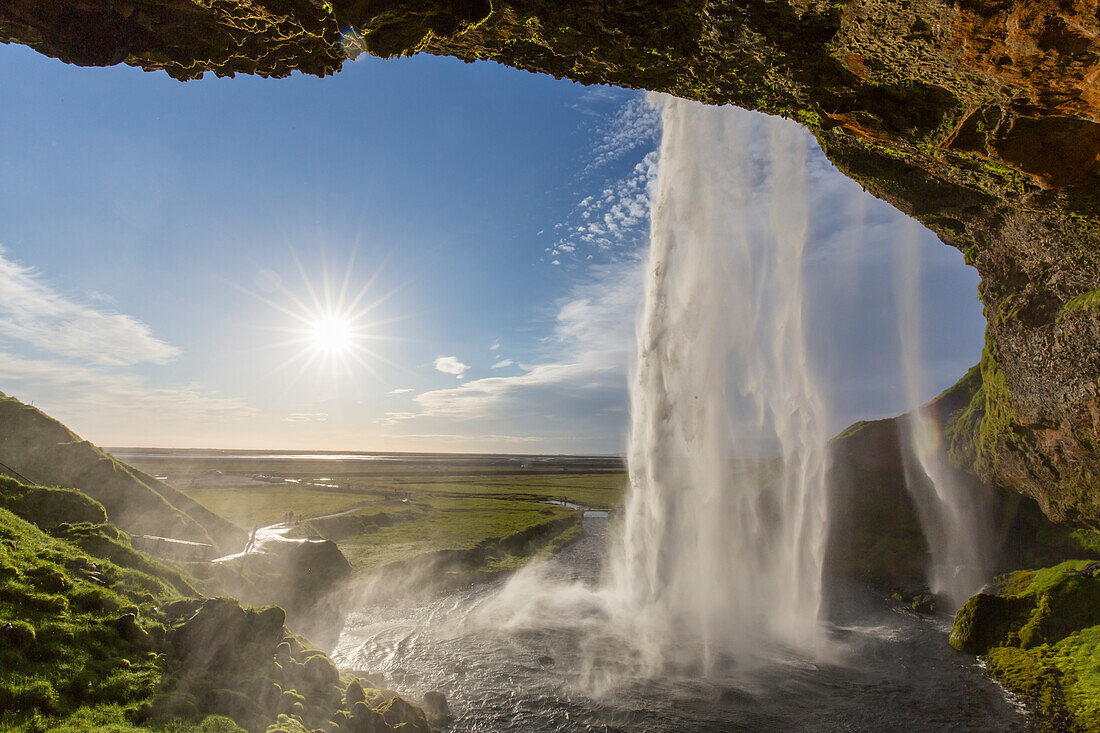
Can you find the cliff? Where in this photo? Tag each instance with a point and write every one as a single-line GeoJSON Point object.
{"type": "Point", "coordinates": [980, 118]}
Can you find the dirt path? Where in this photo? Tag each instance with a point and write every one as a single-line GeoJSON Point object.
{"type": "Point", "coordinates": [278, 532]}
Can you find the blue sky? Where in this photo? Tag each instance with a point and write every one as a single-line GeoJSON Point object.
{"type": "Point", "coordinates": [159, 240]}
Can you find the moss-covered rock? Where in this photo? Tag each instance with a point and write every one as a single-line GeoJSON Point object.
{"type": "Point", "coordinates": [1040, 636]}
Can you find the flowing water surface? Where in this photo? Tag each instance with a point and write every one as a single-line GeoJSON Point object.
{"type": "Point", "coordinates": [507, 667]}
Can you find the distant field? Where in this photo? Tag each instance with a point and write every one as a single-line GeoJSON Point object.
{"type": "Point", "coordinates": [390, 510]}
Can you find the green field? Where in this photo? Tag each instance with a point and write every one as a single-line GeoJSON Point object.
{"type": "Point", "coordinates": [399, 509]}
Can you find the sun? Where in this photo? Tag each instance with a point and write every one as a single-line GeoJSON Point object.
{"type": "Point", "coordinates": [330, 327]}
{"type": "Point", "coordinates": [332, 334]}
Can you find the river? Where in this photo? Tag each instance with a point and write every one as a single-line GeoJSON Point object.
{"type": "Point", "coordinates": [507, 665]}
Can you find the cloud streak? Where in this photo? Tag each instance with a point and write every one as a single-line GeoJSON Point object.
{"type": "Point", "coordinates": [33, 312]}
{"type": "Point", "coordinates": [578, 387]}
{"type": "Point", "coordinates": [76, 389]}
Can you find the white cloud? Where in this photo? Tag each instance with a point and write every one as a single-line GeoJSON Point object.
{"type": "Point", "coordinates": [401, 390]}
{"type": "Point", "coordinates": [502, 363]}
{"type": "Point", "coordinates": [31, 311]}
{"type": "Point", "coordinates": [581, 382]}
{"type": "Point", "coordinates": [495, 346]}
{"type": "Point", "coordinates": [72, 389]}
{"type": "Point", "coordinates": [633, 125]}
{"type": "Point", "coordinates": [614, 222]}
{"type": "Point", "coordinates": [306, 417]}
{"type": "Point", "coordinates": [451, 365]}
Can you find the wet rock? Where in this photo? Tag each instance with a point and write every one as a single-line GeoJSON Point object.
{"type": "Point", "coordinates": [320, 671]}
{"type": "Point", "coordinates": [181, 609]}
{"type": "Point", "coordinates": [435, 703]}
{"type": "Point", "coordinates": [365, 719]}
{"type": "Point", "coordinates": [924, 603]}
{"type": "Point", "coordinates": [987, 620]}
{"type": "Point", "coordinates": [128, 628]}
{"type": "Point", "coordinates": [354, 694]}
{"type": "Point", "coordinates": [397, 711]}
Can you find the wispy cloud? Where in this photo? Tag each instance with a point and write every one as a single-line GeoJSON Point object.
{"type": "Point", "coordinates": [502, 363]}
{"type": "Point", "coordinates": [579, 384]}
{"type": "Point", "coordinates": [32, 311]}
{"type": "Point", "coordinates": [636, 124]}
{"type": "Point", "coordinates": [75, 389]}
{"type": "Point", "coordinates": [306, 417]}
{"type": "Point", "coordinates": [495, 346]}
{"type": "Point", "coordinates": [451, 365]}
{"type": "Point", "coordinates": [614, 219]}
{"type": "Point", "coordinates": [401, 390]}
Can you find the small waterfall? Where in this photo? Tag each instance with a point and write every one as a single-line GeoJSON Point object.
{"type": "Point", "coordinates": [955, 514]}
{"type": "Point", "coordinates": [721, 549]}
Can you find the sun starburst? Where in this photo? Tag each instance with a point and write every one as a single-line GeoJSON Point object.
{"type": "Point", "coordinates": [331, 327]}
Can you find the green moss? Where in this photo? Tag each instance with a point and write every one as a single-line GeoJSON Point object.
{"type": "Point", "coordinates": [1041, 638]}
{"type": "Point", "coordinates": [48, 507]}
{"type": "Point", "coordinates": [977, 432]}
{"type": "Point", "coordinates": [1084, 301]}
{"type": "Point", "coordinates": [1028, 674]}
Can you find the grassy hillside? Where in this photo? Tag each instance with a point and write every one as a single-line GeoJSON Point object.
{"type": "Point", "coordinates": [47, 453]}
{"type": "Point", "coordinates": [96, 636]}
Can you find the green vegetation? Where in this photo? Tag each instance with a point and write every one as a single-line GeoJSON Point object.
{"type": "Point", "coordinates": [978, 432]}
{"type": "Point", "coordinates": [96, 636]}
{"type": "Point", "coordinates": [1084, 301]}
{"type": "Point", "coordinates": [49, 507]}
{"type": "Point", "coordinates": [1041, 638]}
{"type": "Point", "coordinates": [70, 633]}
{"type": "Point", "coordinates": [380, 513]}
{"type": "Point", "coordinates": [47, 453]}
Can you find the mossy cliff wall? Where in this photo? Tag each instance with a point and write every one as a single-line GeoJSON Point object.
{"type": "Point", "coordinates": [981, 118]}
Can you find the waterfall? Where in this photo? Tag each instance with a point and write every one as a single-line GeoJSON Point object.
{"type": "Point", "coordinates": [724, 526]}
{"type": "Point", "coordinates": [955, 514]}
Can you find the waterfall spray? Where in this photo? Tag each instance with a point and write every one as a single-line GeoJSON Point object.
{"type": "Point", "coordinates": [955, 515]}
{"type": "Point", "coordinates": [724, 527]}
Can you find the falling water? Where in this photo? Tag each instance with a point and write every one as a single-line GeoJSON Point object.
{"type": "Point", "coordinates": [955, 514]}
{"type": "Point", "coordinates": [721, 550]}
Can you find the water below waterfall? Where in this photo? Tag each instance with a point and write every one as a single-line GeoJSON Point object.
{"type": "Point", "coordinates": [529, 659]}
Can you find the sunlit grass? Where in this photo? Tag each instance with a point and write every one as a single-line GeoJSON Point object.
{"type": "Point", "coordinates": [387, 515]}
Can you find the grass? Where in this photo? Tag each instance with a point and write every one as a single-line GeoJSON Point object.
{"type": "Point", "coordinates": [45, 452]}
{"type": "Point", "coordinates": [1084, 301]}
{"type": "Point", "coordinates": [440, 523]}
{"type": "Point", "coordinates": [59, 640]}
{"type": "Point", "coordinates": [447, 506]}
{"type": "Point", "coordinates": [250, 504]}
{"type": "Point", "coordinates": [96, 636]}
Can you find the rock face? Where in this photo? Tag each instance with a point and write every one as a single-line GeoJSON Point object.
{"type": "Point", "coordinates": [980, 118]}
{"type": "Point", "coordinates": [303, 577]}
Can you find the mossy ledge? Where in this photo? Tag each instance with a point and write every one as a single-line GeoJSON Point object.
{"type": "Point", "coordinates": [981, 119]}
{"type": "Point", "coordinates": [94, 635]}
{"type": "Point", "coordinates": [1039, 632]}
